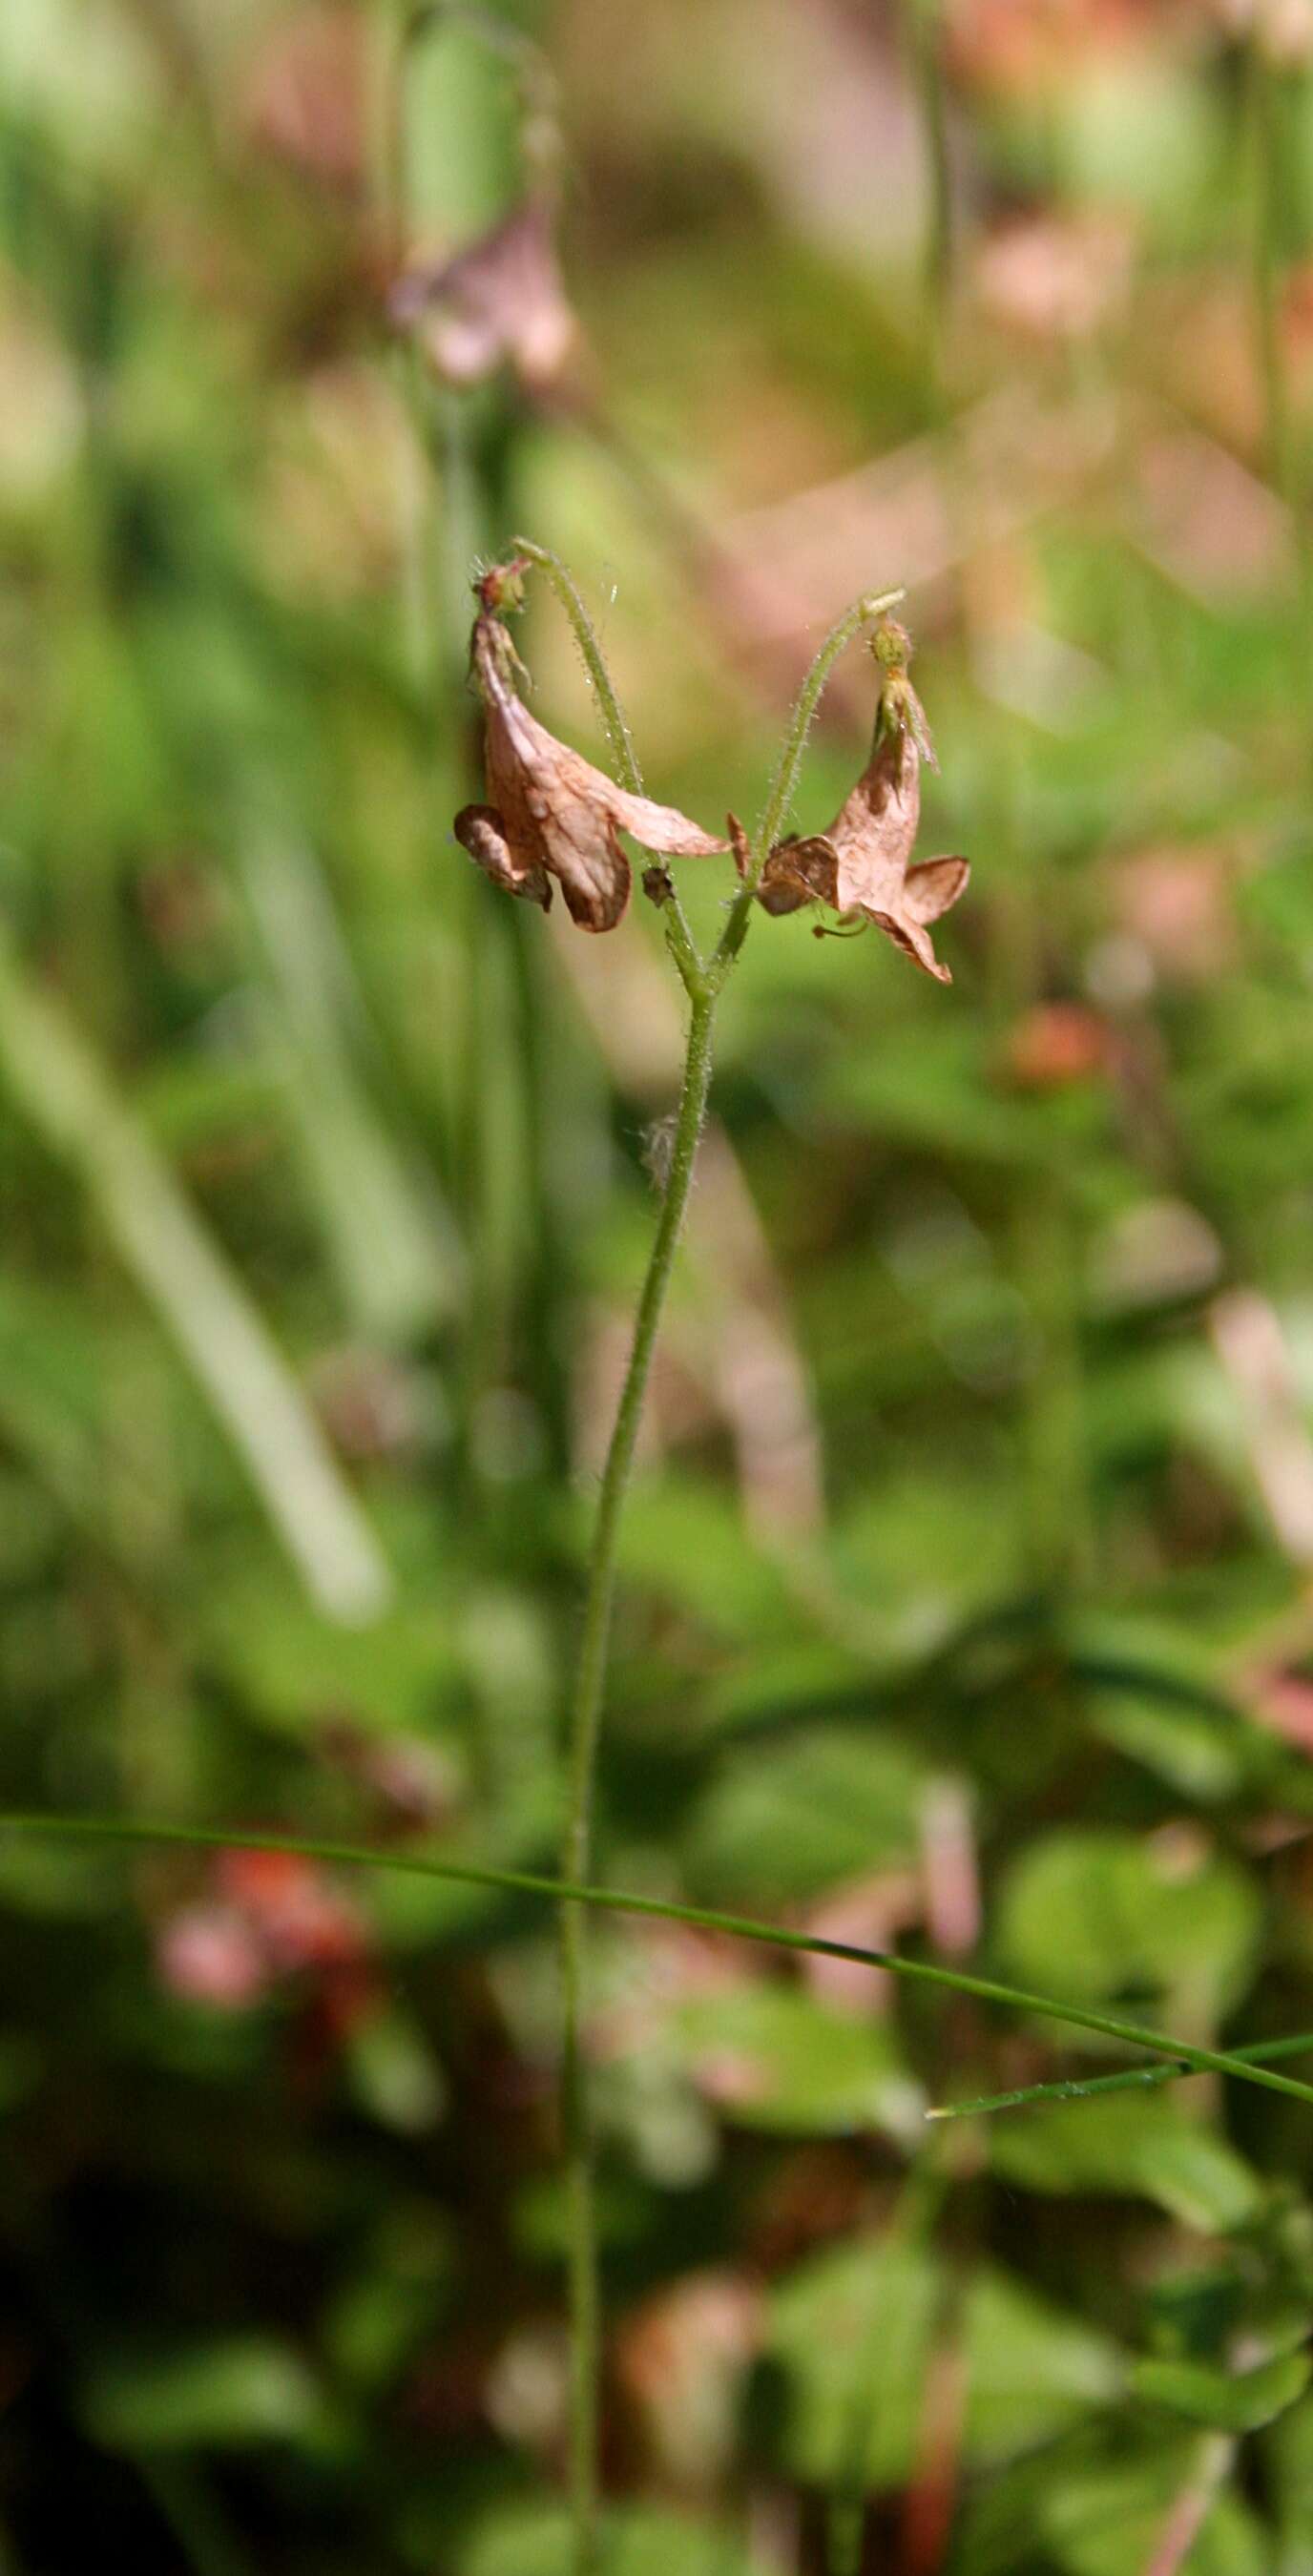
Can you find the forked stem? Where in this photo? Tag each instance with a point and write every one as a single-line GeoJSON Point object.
{"type": "Point", "coordinates": [703, 982]}
{"type": "Point", "coordinates": [784, 784]}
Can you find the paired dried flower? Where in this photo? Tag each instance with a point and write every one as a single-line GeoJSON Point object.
{"type": "Point", "coordinates": [550, 813]}
{"type": "Point", "coordinates": [859, 866]}
{"type": "Point", "coordinates": [500, 302]}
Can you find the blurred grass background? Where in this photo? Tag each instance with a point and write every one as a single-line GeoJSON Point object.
{"type": "Point", "coordinates": [967, 1584]}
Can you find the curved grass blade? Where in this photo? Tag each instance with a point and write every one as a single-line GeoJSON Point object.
{"type": "Point", "coordinates": [71, 1100]}
{"type": "Point", "coordinates": [1177, 2054]}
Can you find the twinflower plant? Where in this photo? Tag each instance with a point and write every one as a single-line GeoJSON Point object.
{"type": "Point", "coordinates": [551, 818]}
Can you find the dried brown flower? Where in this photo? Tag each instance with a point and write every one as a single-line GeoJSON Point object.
{"type": "Point", "coordinates": [550, 813]}
{"type": "Point", "coordinates": [859, 866]}
{"type": "Point", "coordinates": [499, 302]}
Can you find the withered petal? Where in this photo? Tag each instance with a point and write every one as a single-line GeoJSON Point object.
{"type": "Point", "coordinates": [658, 827]}
{"type": "Point", "coordinates": [582, 848]}
{"type": "Point", "coordinates": [556, 812]}
{"type": "Point", "coordinates": [480, 830]}
{"type": "Point", "coordinates": [933, 888]}
{"type": "Point", "coordinates": [578, 824]}
{"type": "Point", "coordinates": [927, 893]}
{"type": "Point", "coordinates": [860, 865]}
{"type": "Point", "coordinates": [875, 831]}
{"type": "Point", "coordinates": [906, 933]}
{"type": "Point", "coordinates": [799, 872]}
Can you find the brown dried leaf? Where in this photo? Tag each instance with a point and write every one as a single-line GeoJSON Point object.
{"type": "Point", "coordinates": [860, 865]}
{"type": "Point", "coordinates": [551, 814]}
{"type": "Point", "coordinates": [499, 302]}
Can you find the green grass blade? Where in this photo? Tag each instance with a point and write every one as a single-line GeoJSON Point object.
{"type": "Point", "coordinates": [738, 1927]}
{"type": "Point", "coordinates": [70, 1098]}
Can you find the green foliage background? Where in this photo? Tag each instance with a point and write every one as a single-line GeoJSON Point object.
{"type": "Point", "coordinates": [966, 1586]}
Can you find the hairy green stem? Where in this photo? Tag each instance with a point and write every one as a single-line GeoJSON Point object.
{"type": "Point", "coordinates": [679, 937]}
{"type": "Point", "coordinates": [784, 784]}
{"type": "Point", "coordinates": [614, 719]}
{"type": "Point", "coordinates": [585, 1727]}
{"type": "Point", "coordinates": [590, 1676]}
{"type": "Point", "coordinates": [703, 983]}
{"type": "Point", "coordinates": [1177, 2054]}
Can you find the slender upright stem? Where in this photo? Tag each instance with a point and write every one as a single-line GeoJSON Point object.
{"type": "Point", "coordinates": [585, 1724]}
{"type": "Point", "coordinates": [703, 982]}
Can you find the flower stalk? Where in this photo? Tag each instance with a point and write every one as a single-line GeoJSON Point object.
{"type": "Point", "coordinates": [553, 821]}
{"type": "Point", "coordinates": [585, 1730]}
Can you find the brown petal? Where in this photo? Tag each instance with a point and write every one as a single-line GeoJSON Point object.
{"type": "Point", "coordinates": [480, 830]}
{"type": "Point", "coordinates": [906, 933]}
{"type": "Point", "coordinates": [874, 833]}
{"type": "Point", "coordinates": [799, 872]}
{"type": "Point", "coordinates": [873, 838]}
{"type": "Point", "coordinates": [927, 892]}
{"type": "Point", "coordinates": [658, 827]}
{"type": "Point", "coordinates": [578, 824]}
{"type": "Point", "coordinates": [555, 811]}
{"type": "Point", "coordinates": [860, 863]}
{"type": "Point", "coordinates": [582, 848]}
{"type": "Point", "coordinates": [933, 888]}
{"type": "Point", "coordinates": [860, 866]}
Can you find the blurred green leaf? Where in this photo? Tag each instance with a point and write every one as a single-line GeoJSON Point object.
{"type": "Point", "coordinates": [394, 2074]}
{"type": "Point", "coordinates": [1229, 2403]}
{"type": "Point", "coordinates": [219, 2394]}
{"type": "Point", "coordinates": [853, 2331]}
{"type": "Point", "coordinates": [1287, 2456]}
{"type": "Point", "coordinates": [391, 1235]}
{"type": "Point", "coordinates": [780, 1823]}
{"type": "Point", "coordinates": [1128, 2144]}
{"type": "Point", "coordinates": [535, 2540]}
{"type": "Point", "coordinates": [71, 1100]}
{"type": "Point", "coordinates": [1125, 1916]}
{"type": "Point", "coordinates": [771, 2057]}
{"type": "Point", "coordinates": [1110, 2521]}
{"type": "Point", "coordinates": [1032, 2368]}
